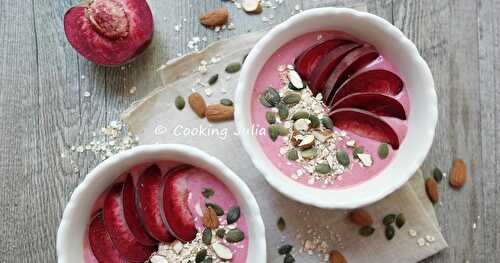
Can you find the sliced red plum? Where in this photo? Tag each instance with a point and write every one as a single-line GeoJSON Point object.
{"type": "Point", "coordinates": [377, 103]}
{"type": "Point", "coordinates": [131, 215]}
{"type": "Point", "coordinates": [374, 81]}
{"type": "Point", "coordinates": [101, 243]}
{"type": "Point", "coordinates": [309, 58]}
{"type": "Point", "coordinates": [349, 65]}
{"type": "Point", "coordinates": [122, 237]}
{"type": "Point", "coordinates": [366, 124]}
{"type": "Point", "coordinates": [149, 205]}
{"type": "Point", "coordinates": [326, 65]}
{"type": "Point", "coordinates": [109, 32]}
{"type": "Point", "coordinates": [175, 203]}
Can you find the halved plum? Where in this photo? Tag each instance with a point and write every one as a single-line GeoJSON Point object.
{"type": "Point", "coordinates": [109, 32]}
{"type": "Point", "coordinates": [365, 123]}
{"type": "Point", "coordinates": [175, 203]}
{"type": "Point", "coordinates": [116, 225]}
{"type": "Point", "coordinates": [326, 65]}
{"type": "Point", "coordinates": [349, 65]}
{"type": "Point", "coordinates": [149, 192]}
{"type": "Point", "coordinates": [377, 103]}
{"type": "Point", "coordinates": [131, 215]}
{"type": "Point", "coordinates": [101, 243]}
{"type": "Point", "coordinates": [374, 81]}
{"type": "Point", "coordinates": [309, 58]}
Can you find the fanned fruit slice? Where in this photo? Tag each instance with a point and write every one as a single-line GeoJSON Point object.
{"type": "Point", "coordinates": [149, 205]}
{"type": "Point", "coordinates": [365, 123]}
{"type": "Point", "coordinates": [175, 203]}
{"type": "Point", "coordinates": [379, 104]}
{"type": "Point", "coordinates": [326, 65]}
{"type": "Point", "coordinates": [349, 65]}
{"type": "Point", "coordinates": [122, 237]}
{"type": "Point", "coordinates": [309, 58]}
{"type": "Point", "coordinates": [101, 243]}
{"type": "Point", "coordinates": [131, 215]}
{"type": "Point", "coordinates": [373, 81]}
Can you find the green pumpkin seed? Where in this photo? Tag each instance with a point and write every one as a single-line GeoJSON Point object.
{"type": "Point", "coordinates": [383, 150]}
{"type": "Point", "coordinates": [285, 249]}
{"type": "Point", "coordinates": [366, 231]}
{"type": "Point", "coordinates": [272, 96]}
{"type": "Point", "coordinates": [292, 155]}
{"type": "Point", "coordinates": [390, 232]}
{"type": "Point", "coordinates": [201, 255]}
{"type": "Point", "coordinates": [226, 102]}
{"type": "Point", "coordinates": [283, 111]}
{"type": "Point", "coordinates": [270, 117]}
{"type": "Point", "coordinates": [180, 103]}
{"type": "Point", "coordinates": [213, 79]}
{"type": "Point", "coordinates": [437, 174]}
{"type": "Point", "coordinates": [207, 260]}
{"type": "Point", "coordinates": [300, 115]}
{"type": "Point", "coordinates": [233, 67]}
{"type": "Point", "coordinates": [264, 102]}
{"type": "Point", "coordinates": [289, 259]}
{"type": "Point", "coordinates": [220, 232]}
{"type": "Point", "coordinates": [233, 214]}
{"type": "Point", "coordinates": [274, 132]}
{"type": "Point", "coordinates": [389, 219]}
{"type": "Point", "coordinates": [315, 122]}
{"type": "Point", "coordinates": [218, 210]}
{"type": "Point", "coordinates": [343, 158]}
{"type": "Point", "coordinates": [234, 236]}
{"type": "Point", "coordinates": [206, 236]}
{"type": "Point", "coordinates": [208, 192]}
{"type": "Point", "coordinates": [400, 220]}
{"type": "Point", "coordinates": [309, 153]}
{"type": "Point", "coordinates": [281, 224]}
{"type": "Point", "coordinates": [322, 168]}
{"type": "Point", "coordinates": [357, 151]}
{"type": "Point", "coordinates": [327, 122]}
{"type": "Point", "coordinates": [292, 98]}
{"type": "Point", "coordinates": [283, 130]}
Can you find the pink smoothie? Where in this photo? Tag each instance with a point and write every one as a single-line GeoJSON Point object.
{"type": "Point", "coordinates": [269, 76]}
{"type": "Point", "coordinates": [196, 184]}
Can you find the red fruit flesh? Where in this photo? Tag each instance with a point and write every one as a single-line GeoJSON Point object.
{"type": "Point", "coordinates": [116, 225]}
{"type": "Point", "coordinates": [109, 32]}
{"type": "Point", "coordinates": [309, 58]}
{"type": "Point", "coordinates": [326, 65]}
{"type": "Point", "coordinates": [374, 81]}
{"type": "Point", "coordinates": [175, 203]}
{"type": "Point", "coordinates": [379, 104]}
{"type": "Point", "coordinates": [101, 243]}
{"type": "Point", "coordinates": [349, 65]}
{"type": "Point", "coordinates": [366, 124]}
{"type": "Point", "coordinates": [149, 205]}
{"type": "Point", "coordinates": [131, 215]}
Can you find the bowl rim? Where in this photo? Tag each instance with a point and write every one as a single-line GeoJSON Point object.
{"type": "Point", "coordinates": [256, 227]}
{"type": "Point", "coordinates": [274, 176]}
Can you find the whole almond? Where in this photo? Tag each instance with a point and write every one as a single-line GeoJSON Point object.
{"type": "Point", "coordinates": [337, 257]}
{"type": "Point", "coordinates": [458, 174]}
{"type": "Point", "coordinates": [431, 187]}
{"type": "Point", "coordinates": [210, 218]}
{"type": "Point", "coordinates": [219, 112]}
{"type": "Point", "coordinates": [198, 104]}
{"type": "Point", "coordinates": [360, 217]}
{"type": "Point", "coordinates": [216, 17]}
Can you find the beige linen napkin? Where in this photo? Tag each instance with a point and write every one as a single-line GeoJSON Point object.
{"type": "Point", "coordinates": [154, 119]}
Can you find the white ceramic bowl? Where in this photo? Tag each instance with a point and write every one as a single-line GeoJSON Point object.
{"type": "Point", "coordinates": [76, 216]}
{"type": "Point", "coordinates": [391, 42]}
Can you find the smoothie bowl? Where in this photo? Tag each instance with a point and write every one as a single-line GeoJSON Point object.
{"type": "Point", "coordinates": [347, 104]}
{"type": "Point", "coordinates": [161, 203]}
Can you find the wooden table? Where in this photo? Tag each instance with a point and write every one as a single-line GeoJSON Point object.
{"type": "Point", "coordinates": [45, 108]}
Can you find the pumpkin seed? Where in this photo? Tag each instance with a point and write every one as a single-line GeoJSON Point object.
{"type": "Point", "coordinates": [283, 111]}
{"type": "Point", "coordinates": [264, 102]}
{"type": "Point", "coordinates": [272, 96]}
{"type": "Point", "coordinates": [281, 224]}
{"type": "Point", "coordinates": [366, 231]}
{"type": "Point", "coordinates": [437, 174]}
{"type": "Point", "coordinates": [206, 236]}
{"type": "Point", "coordinates": [343, 158]}
{"type": "Point", "coordinates": [289, 259]}
{"type": "Point", "coordinates": [400, 220]}
{"type": "Point", "coordinates": [201, 255]}
{"type": "Point", "coordinates": [292, 98]}
{"type": "Point", "coordinates": [274, 132]}
{"type": "Point", "coordinates": [234, 236]}
{"type": "Point", "coordinates": [270, 117]}
{"type": "Point", "coordinates": [207, 260]}
{"type": "Point", "coordinates": [285, 249]}
{"type": "Point", "coordinates": [300, 115]}
{"type": "Point", "coordinates": [233, 214]}
{"type": "Point", "coordinates": [309, 153]}
{"type": "Point", "coordinates": [180, 103]}
{"type": "Point", "coordinates": [208, 192]}
{"type": "Point", "coordinates": [226, 102]}
{"type": "Point", "coordinates": [389, 219]}
{"type": "Point", "coordinates": [292, 155]}
{"type": "Point", "coordinates": [322, 168]}
{"type": "Point", "coordinates": [383, 150]}
{"type": "Point", "coordinates": [233, 67]}
{"type": "Point", "coordinates": [327, 122]}
{"type": "Point", "coordinates": [218, 210]}
{"type": "Point", "coordinates": [283, 130]}
{"type": "Point", "coordinates": [295, 80]}
{"type": "Point", "coordinates": [357, 151]}
{"type": "Point", "coordinates": [315, 122]}
{"type": "Point", "coordinates": [213, 79]}
{"type": "Point", "coordinates": [220, 232]}
{"type": "Point", "coordinates": [390, 232]}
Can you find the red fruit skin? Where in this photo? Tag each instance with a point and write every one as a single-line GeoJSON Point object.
{"type": "Point", "coordinates": [349, 65]}
{"type": "Point", "coordinates": [373, 81]}
{"type": "Point", "coordinates": [306, 62]}
{"type": "Point", "coordinates": [103, 45]}
{"type": "Point", "coordinates": [175, 203]}
{"type": "Point", "coordinates": [365, 123]}
{"type": "Point", "coordinates": [122, 237]}
{"type": "Point", "coordinates": [149, 192]}
{"type": "Point", "coordinates": [326, 65]}
{"type": "Point", "coordinates": [132, 218]}
{"type": "Point", "coordinates": [101, 243]}
{"type": "Point", "coordinates": [376, 103]}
